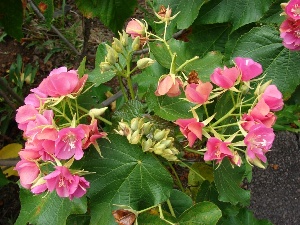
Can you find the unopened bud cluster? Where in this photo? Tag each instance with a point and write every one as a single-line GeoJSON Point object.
{"type": "Point", "coordinates": [152, 140]}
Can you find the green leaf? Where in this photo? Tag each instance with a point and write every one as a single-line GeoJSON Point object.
{"type": "Point", "coordinates": [169, 108]}
{"type": "Point", "coordinates": [244, 217]}
{"type": "Point", "coordinates": [81, 68]}
{"type": "Point", "coordinates": [264, 45]}
{"type": "Point", "coordinates": [180, 202]}
{"type": "Point", "coordinates": [188, 9]}
{"type": "Point", "coordinates": [48, 14]}
{"type": "Point", "coordinates": [201, 213]}
{"type": "Point", "coordinates": [40, 209]}
{"type": "Point", "coordinates": [129, 110]}
{"type": "Point", "coordinates": [112, 13]}
{"type": "Point", "coordinates": [238, 12]}
{"type": "Point", "coordinates": [96, 76]}
{"type": "Point", "coordinates": [125, 176]}
{"type": "Point", "coordinates": [273, 14]}
{"type": "Point", "coordinates": [3, 179]}
{"type": "Point", "coordinates": [152, 218]}
{"type": "Point", "coordinates": [228, 181]}
{"type": "Point", "coordinates": [80, 219]}
{"type": "Point", "coordinates": [12, 18]}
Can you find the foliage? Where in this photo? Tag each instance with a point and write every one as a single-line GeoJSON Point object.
{"type": "Point", "coordinates": [174, 103]}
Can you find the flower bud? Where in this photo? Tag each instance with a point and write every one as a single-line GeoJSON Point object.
{"type": "Point", "coordinates": [112, 55]}
{"type": "Point", "coordinates": [97, 112]}
{"type": "Point", "coordinates": [261, 88]}
{"type": "Point", "coordinates": [104, 67]}
{"type": "Point", "coordinates": [135, 137]}
{"type": "Point", "coordinates": [124, 127]}
{"type": "Point", "coordinates": [167, 142]}
{"type": "Point", "coordinates": [124, 38]}
{"type": "Point", "coordinates": [161, 134]}
{"type": "Point", "coordinates": [134, 123]}
{"type": "Point", "coordinates": [255, 162]}
{"type": "Point", "coordinates": [244, 89]}
{"type": "Point", "coordinates": [144, 63]}
{"type": "Point", "coordinates": [136, 44]}
{"type": "Point", "coordinates": [117, 45]}
{"type": "Point", "coordinates": [147, 128]}
{"type": "Point", "coordinates": [146, 145]}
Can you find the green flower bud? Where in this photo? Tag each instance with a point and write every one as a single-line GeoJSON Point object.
{"type": "Point", "coordinates": [161, 134]}
{"type": "Point", "coordinates": [124, 128]}
{"type": "Point", "coordinates": [144, 63]}
{"type": "Point", "coordinates": [136, 44]}
{"type": "Point", "coordinates": [135, 137]}
{"type": "Point", "coordinates": [124, 38]}
{"type": "Point", "coordinates": [167, 142]}
{"type": "Point", "coordinates": [158, 151]}
{"type": "Point", "coordinates": [244, 89]}
{"type": "Point", "coordinates": [117, 45]}
{"type": "Point", "coordinates": [112, 55]}
{"type": "Point", "coordinates": [146, 145]}
{"type": "Point", "coordinates": [147, 128]}
{"type": "Point", "coordinates": [134, 123]}
{"type": "Point", "coordinates": [97, 112]}
{"type": "Point", "coordinates": [104, 67]}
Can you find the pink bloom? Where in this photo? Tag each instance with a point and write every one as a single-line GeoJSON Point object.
{"type": "Point", "coordinates": [249, 68]}
{"type": "Point", "coordinates": [169, 86]}
{"type": "Point", "coordinates": [217, 150]}
{"type": "Point", "coordinates": [69, 143]}
{"type": "Point", "coordinates": [38, 189]}
{"type": "Point", "coordinates": [198, 93]}
{"type": "Point", "coordinates": [66, 184]}
{"type": "Point", "coordinates": [78, 188]}
{"type": "Point", "coordinates": [25, 114]}
{"type": "Point", "coordinates": [61, 82]}
{"type": "Point", "coordinates": [29, 154]}
{"type": "Point", "coordinates": [191, 129]}
{"type": "Point", "coordinates": [259, 140]}
{"type": "Point", "coordinates": [225, 78]}
{"type": "Point", "coordinates": [28, 172]}
{"type": "Point", "coordinates": [290, 33]}
{"type": "Point", "coordinates": [91, 134]}
{"type": "Point", "coordinates": [273, 98]}
{"type": "Point", "coordinates": [261, 113]}
{"type": "Point", "coordinates": [293, 9]}
{"type": "Point", "coordinates": [135, 28]}
{"type": "Point", "coordinates": [247, 122]}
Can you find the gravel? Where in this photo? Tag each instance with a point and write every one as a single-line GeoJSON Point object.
{"type": "Point", "coordinates": [275, 191]}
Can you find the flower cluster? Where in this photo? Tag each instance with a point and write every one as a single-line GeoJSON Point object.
{"type": "Point", "coordinates": [256, 114]}
{"type": "Point", "coordinates": [54, 135]}
{"type": "Point", "coordinates": [151, 139]}
{"type": "Point", "coordinates": [290, 28]}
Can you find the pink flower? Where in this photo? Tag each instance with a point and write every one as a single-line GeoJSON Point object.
{"type": "Point", "coordinates": [198, 93]}
{"type": "Point", "coordinates": [28, 172]}
{"type": "Point", "coordinates": [191, 129]}
{"type": "Point", "coordinates": [225, 78]}
{"type": "Point", "coordinates": [169, 86]}
{"type": "Point", "coordinates": [25, 114]}
{"type": "Point", "coordinates": [273, 98]}
{"type": "Point", "coordinates": [249, 68]}
{"type": "Point", "coordinates": [66, 184]}
{"type": "Point", "coordinates": [247, 122]}
{"type": "Point", "coordinates": [91, 134]}
{"type": "Point", "coordinates": [290, 33]}
{"type": "Point", "coordinates": [259, 140]}
{"type": "Point", "coordinates": [69, 143]}
{"type": "Point", "coordinates": [79, 186]}
{"type": "Point", "coordinates": [293, 9]}
{"type": "Point", "coordinates": [61, 82]}
{"type": "Point", "coordinates": [135, 28]}
{"type": "Point", "coordinates": [217, 150]}
{"type": "Point", "coordinates": [261, 114]}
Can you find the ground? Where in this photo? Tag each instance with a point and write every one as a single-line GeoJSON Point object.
{"type": "Point", "coordinates": [275, 191]}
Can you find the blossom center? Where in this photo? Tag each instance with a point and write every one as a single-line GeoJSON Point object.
{"type": "Point", "coordinates": [296, 10]}
{"type": "Point", "coordinates": [61, 182]}
{"type": "Point", "coordinates": [70, 139]}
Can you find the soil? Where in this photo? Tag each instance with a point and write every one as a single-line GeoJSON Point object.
{"type": "Point", "coordinates": [275, 191]}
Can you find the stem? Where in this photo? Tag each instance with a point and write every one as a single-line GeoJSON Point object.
{"type": "Point", "coordinates": [122, 88]}
{"type": "Point", "coordinates": [205, 109]}
{"type": "Point", "coordinates": [193, 151]}
{"type": "Point", "coordinates": [225, 116]}
{"type": "Point", "coordinates": [232, 97]}
{"type": "Point", "coordinates": [129, 83]}
{"type": "Point", "coordinates": [177, 178]}
{"type": "Point", "coordinates": [193, 170]}
{"type": "Point", "coordinates": [186, 62]}
{"type": "Point", "coordinates": [171, 208]}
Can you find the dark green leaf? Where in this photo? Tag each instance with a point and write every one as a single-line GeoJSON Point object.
{"type": "Point", "coordinates": [228, 181]}
{"type": "Point", "coordinates": [238, 12]}
{"type": "Point", "coordinates": [280, 65]}
{"type": "Point", "coordinates": [112, 13]}
{"type": "Point", "coordinates": [125, 176]}
{"type": "Point", "coordinates": [40, 209]}
{"type": "Point", "coordinates": [180, 202]}
{"type": "Point", "coordinates": [202, 213]}
{"type": "Point", "coordinates": [3, 180]}
{"type": "Point", "coordinates": [11, 18]}
{"type": "Point", "coordinates": [49, 10]}
{"type": "Point", "coordinates": [129, 110]}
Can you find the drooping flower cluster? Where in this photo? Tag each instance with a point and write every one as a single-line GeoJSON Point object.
{"type": "Point", "coordinates": [290, 28]}
{"type": "Point", "coordinates": [54, 135]}
{"type": "Point", "coordinates": [256, 119]}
